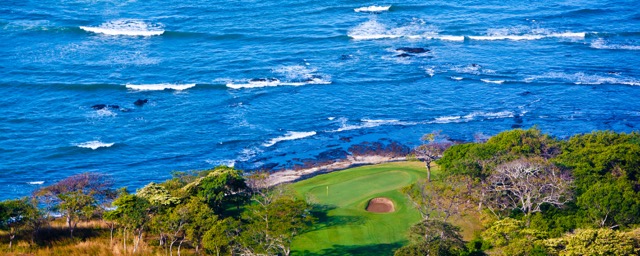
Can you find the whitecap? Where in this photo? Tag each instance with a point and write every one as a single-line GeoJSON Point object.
{"type": "Point", "coordinates": [580, 78]}
{"type": "Point", "coordinates": [372, 30]}
{"type": "Point", "coordinates": [159, 87]}
{"type": "Point", "coordinates": [126, 27]}
{"type": "Point", "coordinates": [227, 162]}
{"type": "Point", "coordinates": [105, 112]}
{"type": "Point", "coordinates": [289, 136]}
{"type": "Point", "coordinates": [492, 81]}
{"type": "Point", "coordinates": [94, 144]}
{"type": "Point", "coordinates": [507, 37]}
{"type": "Point", "coordinates": [604, 45]}
{"type": "Point", "coordinates": [373, 8]}
{"type": "Point", "coordinates": [478, 115]}
{"type": "Point", "coordinates": [456, 78]}
{"type": "Point", "coordinates": [256, 83]}
{"type": "Point", "coordinates": [39, 182]}
{"type": "Point", "coordinates": [449, 38]}
{"type": "Point", "coordinates": [367, 123]}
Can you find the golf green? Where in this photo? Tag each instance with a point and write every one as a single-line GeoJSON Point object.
{"type": "Point", "coordinates": [344, 227]}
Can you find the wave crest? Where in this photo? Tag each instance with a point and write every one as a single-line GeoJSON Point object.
{"type": "Point", "coordinates": [94, 144]}
{"type": "Point", "coordinates": [126, 27]}
{"type": "Point", "coordinates": [373, 8]}
{"type": "Point", "coordinates": [289, 136]}
{"type": "Point", "coordinates": [159, 87]}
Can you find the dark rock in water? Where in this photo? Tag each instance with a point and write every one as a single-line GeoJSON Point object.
{"type": "Point", "coordinates": [526, 93]}
{"type": "Point", "coordinates": [629, 125]}
{"type": "Point", "coordinates": [517, 118]}
{"type": "Point", "coordinates": [413, 49]}
{"type": "Point", "coordinates": [103, 106]}
{"type": "Point", "coordinates": [140, 102]}
{"type": "Point", "coordinates": [346, 57]}
{"type": "Point", "coordinates": [516, 126]}
{"type": "Point", "coordinates": [99, 106]}
{"type": "Point", "coordinates": [269, 166]}
{"type": "Point", "coordinates": [345, 139]}
{"type": "Point", "coordinates": [263, 80]}
{"type": "Point", "coordinates": [404, 55]}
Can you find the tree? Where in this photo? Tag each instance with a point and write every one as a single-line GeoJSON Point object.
{"type": "Point", "coordinates": [15, 216]}
{"type": "Point", "coordinates": [274, 219]}
{"type": "Point", "coordinates": [593, 242]}
{"type": "Point", "coordinates": [432, 148]}
{"type": "Point", "coordinates": [433, 237]}
{"type": "Point", "coordinates": [200, 219]}
{"type": "Point", "coordinates": [453, 196]}
{"type": "Point", "coordinates": [132, 213]}
{"type": "Point", "coordinates": [511, 237]}
{"type": "Point", "coordinates": [78, 197]}
{"type": "Point", "coordinates": [219, 238]}
{"type": "Point", "coordinates": [221, 188]}
{"type": "Point", "coordinates": [609, 203]}
{"type": "Point", "coordinates": [527, 184]}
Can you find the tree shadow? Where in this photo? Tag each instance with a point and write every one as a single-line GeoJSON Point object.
{"type": "Point", "coordinates": [340, 250]}
{"type": "Point", "coordinates": [323, 220]}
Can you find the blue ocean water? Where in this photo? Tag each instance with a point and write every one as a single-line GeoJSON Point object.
{"type": "Point", "coordinates": [258, 83]}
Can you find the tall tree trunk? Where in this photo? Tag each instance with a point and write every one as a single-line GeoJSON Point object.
{"type": "Point", "coordinates": [180, 246]}
{"type": "Point", "coordinates": [111, 235]}
{"type": "Point", "coordinates": [124, 239]}
{"type": "Point", "coordinates": [173, 241]}
{"type": "Point", "coordinates": [69, 225]}
{"type": "Point", "coordinates": [11, 237]}
{"type": "Point", "coordinates": [428, 164]}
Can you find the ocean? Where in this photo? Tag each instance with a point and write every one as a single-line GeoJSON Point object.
{"type": "Point", "coordinates": [259, 84]}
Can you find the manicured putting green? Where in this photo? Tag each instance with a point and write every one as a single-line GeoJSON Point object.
{"type": "Point", "coordinates": [344, 226]}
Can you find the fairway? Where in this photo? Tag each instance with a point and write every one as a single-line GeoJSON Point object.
{"type": "Point", "coordinates": [344, 227]}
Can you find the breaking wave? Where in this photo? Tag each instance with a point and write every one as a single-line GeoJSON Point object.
{"type": "Point", "coordinates": [373, 8]}
{"type": "Point", "coordinates": [604, 45]}
{"type": "Point", "coordinates": [126, 27]}
{"type": "Point", "coordinates": [159, 87]}
{"type": "Point", "coordinates": [289, 136]}
{"type": "Point", "coordinates": [94, 144]}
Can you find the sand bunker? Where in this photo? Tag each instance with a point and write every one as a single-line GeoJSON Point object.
{"type": "Point", "coordinates": [380, 204]}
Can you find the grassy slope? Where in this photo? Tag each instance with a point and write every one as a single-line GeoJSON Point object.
{"type": "Point", "coordinates": [344, 227]}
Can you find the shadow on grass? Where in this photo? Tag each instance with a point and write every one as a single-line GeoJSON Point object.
{"type": "Point", "coordinates": [323, 220]}
{"type": "Point", "coordinates": [339, 250]}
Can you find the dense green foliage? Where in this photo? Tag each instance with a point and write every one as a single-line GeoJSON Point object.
{"type": "Point", "coordinates": [540, 190]}
{"type": "Point", "coordinates": [535, 195]}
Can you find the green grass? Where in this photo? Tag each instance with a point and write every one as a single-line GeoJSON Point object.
{"type": "Point", "coordinates": [344, 227]}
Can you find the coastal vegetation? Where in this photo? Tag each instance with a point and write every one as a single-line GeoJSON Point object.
{"type": "Point", "coordinates": [520, 192]}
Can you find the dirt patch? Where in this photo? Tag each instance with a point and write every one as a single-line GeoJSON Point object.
{"type": "Point", "coordinates": [380, 204]}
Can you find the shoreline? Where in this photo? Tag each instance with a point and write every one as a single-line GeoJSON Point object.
{"type": "Point", "coordinates": [291, 176]}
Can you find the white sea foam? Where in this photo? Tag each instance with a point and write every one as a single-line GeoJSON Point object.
{"type": "Point", "coordinates": [604, 45]}
{"type": "Point", "coordinates": [289, 136]}
{"type": "Point", "coordinates": [105, 112]}
{"type": "Point", "coordinates": [479, 115]}
{"type": "Point", "coordinates": [457, 78]}
{"type": "Point", "coordinates": [372, 29]}
{"type": "Point", "coordinates": [229, 163]}
{"type": "Point", "coordinates": [159, 87]}
{"type": "Point", "coordinates": [297, 75]}
{"type": "Point", "coordinates": [448, 38]}
{"type": "Point", "coordinates": [94, 144]}
{"type": "Point", "coordinates": [581, 78]}
{"type": "Point", "coordinates": [492, 81]}
{"type": "Point", "coordinates": [373, 8]}
{"type": "Point", "coordinates": [255, 84]}
{"type": "Point", "coordinates": [367, 123]}
{"type": "Point", "coordinates": [126, 27]}
{"type": "Point", "coordinates": [39, 182]}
